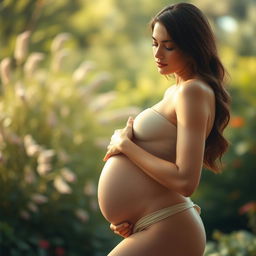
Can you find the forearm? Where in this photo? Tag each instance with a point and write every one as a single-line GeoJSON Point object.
{"type": "Point", "coordinates": [164, 172]}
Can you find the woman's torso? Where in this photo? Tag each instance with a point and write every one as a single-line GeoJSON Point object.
{"type": "Point", "coordinates": [125, 192]}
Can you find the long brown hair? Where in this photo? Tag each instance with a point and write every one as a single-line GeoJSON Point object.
{"type": "Point", "coordinates": [191, 32]}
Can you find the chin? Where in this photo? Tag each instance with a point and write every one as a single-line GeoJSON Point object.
{"type": "Point", "coordinates": [165, 72]}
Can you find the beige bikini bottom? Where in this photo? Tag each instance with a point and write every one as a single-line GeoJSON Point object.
{"type": "Point", "coordinates": [161, 214]}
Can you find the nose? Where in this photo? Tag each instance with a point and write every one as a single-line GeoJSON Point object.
{"type": "Point", "coordinates": [158, 53]}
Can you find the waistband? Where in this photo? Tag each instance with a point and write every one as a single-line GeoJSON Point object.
{"type": "Point", "coordinates": [161, 214]}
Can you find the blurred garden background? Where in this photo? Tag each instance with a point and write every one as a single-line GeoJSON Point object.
{"type": "Point", "coordinates": [71, 73]}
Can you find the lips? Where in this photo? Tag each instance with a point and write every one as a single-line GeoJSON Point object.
{"type": "Point", "coordinates": [161, 65]}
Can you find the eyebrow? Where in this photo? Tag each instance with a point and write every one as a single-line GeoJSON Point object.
{"type": "Point", "coordinates": [163, 41]}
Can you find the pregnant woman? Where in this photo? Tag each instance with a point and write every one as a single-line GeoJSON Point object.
{"type": "Point", "coordinates": [154, 164]}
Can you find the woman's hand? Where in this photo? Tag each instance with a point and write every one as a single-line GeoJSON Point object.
{"type": "Point", "coordinates": [118, 138]}
{"type": "Point", "coordinates": [124, 229]}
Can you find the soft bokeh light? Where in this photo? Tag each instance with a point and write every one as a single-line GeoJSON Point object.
{"type": "Point", "coordinates": [71, 73]}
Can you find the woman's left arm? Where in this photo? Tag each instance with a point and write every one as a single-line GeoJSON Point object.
{"type": "Point", "coordinates": [192, 110]}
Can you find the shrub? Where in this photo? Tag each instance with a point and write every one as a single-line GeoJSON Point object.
{"type": "Point", "coordinates": [52, 142]}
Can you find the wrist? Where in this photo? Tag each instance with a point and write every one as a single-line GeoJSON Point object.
{"type": "Point", "coordinates": [124, 145]}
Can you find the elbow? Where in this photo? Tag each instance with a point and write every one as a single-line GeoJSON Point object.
{"type": "Point", "coordinates": [188, 189]}
{"type": "Point", "coordinates": [187, 192]}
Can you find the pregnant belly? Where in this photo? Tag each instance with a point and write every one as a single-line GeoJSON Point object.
{"type": "Point", "coordinates": [125, 192]}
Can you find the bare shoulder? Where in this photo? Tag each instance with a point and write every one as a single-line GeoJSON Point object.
{"type": "Point", "coordinates": [195, 89]}
{"type": "Point", "coordinates": [169, 90]}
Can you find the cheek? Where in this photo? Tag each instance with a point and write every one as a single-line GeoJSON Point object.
{"type": "Point", "coordinates": [174, 57]}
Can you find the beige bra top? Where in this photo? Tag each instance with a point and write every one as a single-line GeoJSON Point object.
{"type": "Point", "coordinates": [153, 132]}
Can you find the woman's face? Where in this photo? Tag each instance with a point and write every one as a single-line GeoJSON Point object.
{"type": "Point", "coordinates": [168, 56]}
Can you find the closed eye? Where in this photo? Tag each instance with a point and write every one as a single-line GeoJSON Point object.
{"type": "Point", "coordinates": [169, 48]}
{"type": "Point", "coordinates": [154, 44]}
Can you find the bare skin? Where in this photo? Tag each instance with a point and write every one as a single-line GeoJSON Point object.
{"type": "Point", "coordinates": [190, 104]}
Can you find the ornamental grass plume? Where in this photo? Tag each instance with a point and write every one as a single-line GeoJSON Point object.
{"type": "Point", "coordinates": [68, 175]}
{"type": "Point", "coordinates": [5, 70]}
{"type": "Point", "coordinates": [31, 147]}
{"type": "Point", "coordinates": [48, 125]}
{"type": "Point", "coordinates": [90, 188]}
{"type": "Point", "coordinates": [44, 168]}
{"type": "Point", "coordinates": [45, 156]}
{"type": "Point", "coordinates": [81, 72]}
{"type": "Point", "coordinates": [94, 204]}
{"type": "Point", "coordinates": [58, 59]}
{"type": "Point", "coordinates": [63, 157]}
{"type": "Point", "coordinates": [39, 198]}
{"type": "Point", "coordinates": [21, 47]}
{"type": "Point", "coordinates": [61, 185]}
{"type": "Point", "coordinates": [25, 215]}
{"type": "Point", "coordinates": [95, 84]}
{"type": "Point", "coordinates": [82, 215]}
{"type": "Point", "coordinates": [102, 101]}
{"type": "Point", "coordinates": [20, 91]}
{"type": "Point", "coordinates": [29, 175]}
{"type": "Point", "coordinates": [28, 140]}
{"type": "Point", "coordinates": [32, 62]}
{"type": "Point", "coordinates": [59, 41]}
{"type": "Point", "coordinates": [1, 157]}
{"type": "Point", "coordinates": [33, 150]}
{"type": "Point", "coordinates": [44, 161]}
{"type": "Point", "coordinates": [32, 206]}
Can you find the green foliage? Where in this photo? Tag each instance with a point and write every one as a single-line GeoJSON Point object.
{"type": "Point", "coordinates": [240, 243]}
{"type": "Point", "coordinates": [52, 143]}
{"type": "Point", "coordinates": [58, 111]}
{"type": "Point", "coordinates": [223, 195]}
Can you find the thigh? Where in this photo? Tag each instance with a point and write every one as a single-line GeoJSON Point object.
{"type": "Point", "coordinates": [178, 235]}
{"type": "Point", "coordinates": [137, 244]}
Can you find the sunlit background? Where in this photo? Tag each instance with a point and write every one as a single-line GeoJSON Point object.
{"type": "Point", "coordinates": [71, 73]}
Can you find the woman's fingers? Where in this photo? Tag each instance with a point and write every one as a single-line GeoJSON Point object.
{"type": "Point", "coordinates": [126, 233]}
{"type": "Point", "coordinates": [112, 150]}
{"type": "Point", "coordinates": [129, 121]}
{"type": "Point", "coordinates": [117, 137]}
{"type": "Point", "coordinates": [129, 127]}
{"type": "Point", "coordinates": [123, 229]}
{"type": "Point", "coordinates": [119, 226]}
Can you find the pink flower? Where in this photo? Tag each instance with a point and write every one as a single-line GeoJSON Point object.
{"type": "Point", "coordinates": [82, 215]}
{"type": "Point", "coordinates": [44, 244]}
{"type": "Point", "coordinates": [249, 207]}
{"type": "Point", "coordinates": [59, 251]}
{"type": "Point", "coordinates": [39, 199]}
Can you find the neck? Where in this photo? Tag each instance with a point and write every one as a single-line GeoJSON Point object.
{"type": "Point", "coordinates": [183, 75]}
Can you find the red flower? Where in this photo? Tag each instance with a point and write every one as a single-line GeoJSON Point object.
{"type": "Point", "coordinates": [44, 244]}
{"type": "Point", "coordinates": [249, 207]}
{"type": "Point", "coordinates": [59, 251]}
